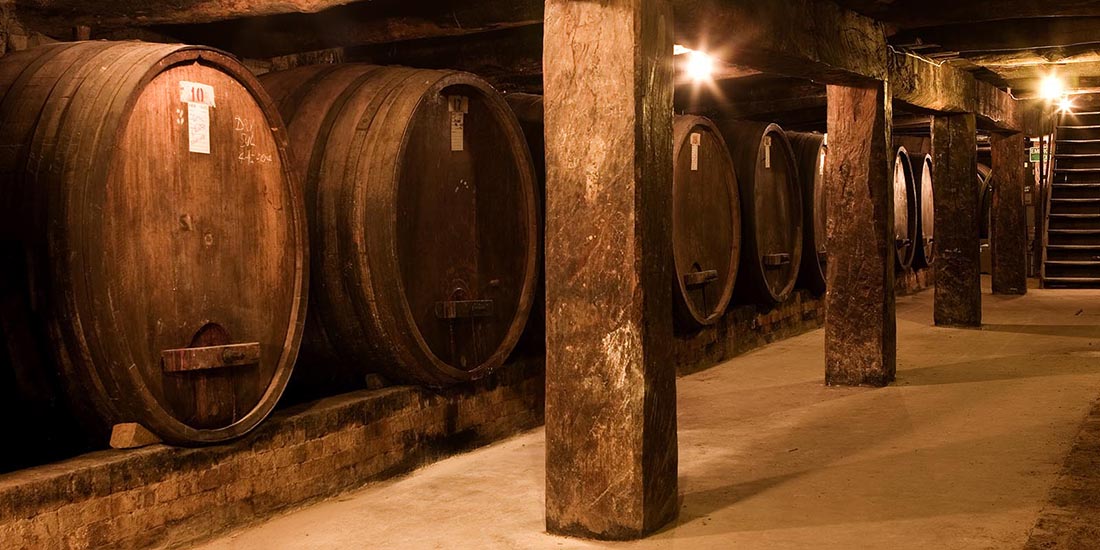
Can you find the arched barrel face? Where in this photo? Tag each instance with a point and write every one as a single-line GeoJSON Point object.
{"type": "Point", "coordinates": [985, 200]}
{"type": "Point", "coordinates": [810, 156]}
{"type": "Point", "coordinates": [928, 210]}
{"type": "Point", "coordinates": [706, 228]}
{"type": "Point", "coordinates": [778, 212]}
{"type": "Point", "coordinates": [463, 225]}
{"type": "Point", "coordinates": [820, 213]}
{"type": "Point", "coordinates": [213, 264]}
{"type": "Point", "coordinates": [905, 218]}
{"type": "Point", "coordinates": [423, 218]}
{"type": "Point", "coordinates": [171, 196]}
{"type": "Point", "coordinates": [771, 211]}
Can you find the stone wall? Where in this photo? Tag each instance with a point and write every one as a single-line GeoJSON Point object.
{"type": "Point", "coordinates": [168, 496]}
{"type": "Point", "coordinates": [747, 327]}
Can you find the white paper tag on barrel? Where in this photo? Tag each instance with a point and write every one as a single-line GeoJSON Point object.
{"type": "Point", "coordinates": [199, 99]}
{"type": "Point", "coordinates": [198, 128]}
{"type": "Point", "coordinates": [696, 140]}
{"type": "Point", "coordinates": [458, 106]}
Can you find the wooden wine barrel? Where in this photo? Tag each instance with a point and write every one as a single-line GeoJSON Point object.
{"type": "Point", "coordinates": [926, 210]}
{"type": "Point", "coordinates": [422, 210]}
{"type": "Point", "coordinates": [153, 236]}
{"type": "Point", "coordinates": [905, 210]}
{"type": "Point", "coordinates": [771, 211]}
{"type": "Point", "coordinates": [529, 110]}
{"type": "Point", "coordinates": [706, 220]}
{"type": "Point", "coordinates": [810, 156]}
{"type": "Point", "coordinates": [985, 200]}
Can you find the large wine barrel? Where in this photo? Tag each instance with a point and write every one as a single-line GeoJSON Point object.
{"type": "Point", "coordinates": [985, 200]}
{"type": "Point", "coordinates": [154, 243]}
{"type": "Point", "coordinates": [422, 212]}
{"type": "Point", "coordinates": [905, 210]}
{"type": "Point", "coordinates": [810, 155]}
{"type": "Point", "coordinates": [926, 210]}
{"type": "Point", "coordinates": [771, 211]}
{"type": "Point", "coordinates": [706, 220]}
{"type": "Point", "coordinates": [528, 109]}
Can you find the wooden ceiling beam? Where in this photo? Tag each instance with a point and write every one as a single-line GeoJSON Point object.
{"type": "Point", "coordinates": [811, 39]}
{"type": "Point", "coordinates": [928, 13]}
{"type": "Point", "coordinates": [1007, 36]}
{"type": "Point", "coordinates": [257, 28]}
{"type": "Point", "coordinates": [927, 87]}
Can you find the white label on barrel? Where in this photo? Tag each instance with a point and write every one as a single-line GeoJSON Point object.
{"type": "Point", "coordinates": [198, 128]}
{"type": "Point", "coordinates": [458, 106]}
{"type": "Point", "coordinates": [767, 151]}
{"type": "Point", "coordinates": [696, 139]}
{"type": "Point", "coordinates": [194, 92]}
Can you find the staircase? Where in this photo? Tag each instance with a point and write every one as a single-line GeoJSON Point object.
{"type": "Point", "coordinates": [1071, 251]}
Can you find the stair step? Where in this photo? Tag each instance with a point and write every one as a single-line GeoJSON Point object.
{"type": "Point", "coordinates": [1097, 199]}
{"type": "Point", "coordinates": [1073, 246]}
{"type": "Point", "coordinates": [1076, 216]}
{"type": "Point", "coordinates": [1076, 184]}
{"type": "Point", "coordinates": [1078, 141]}
{"type": "Point", "coordinates": [1082, 263]}
{"type": "Point", "coordinates": [1085, 113]}
{"type": "Point", "coordinates": [1096, 169]}
{"type": "Point", "coordinates": [1076, 155]}
{"type": "Point", "coordinates": [1075, 231]}
{"type": "Point", "coordinates": [1079, 127]}
{"type": "Point", "coordinates": [1071, 280]}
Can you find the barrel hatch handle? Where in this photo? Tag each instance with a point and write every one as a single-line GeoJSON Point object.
{"type": "Point", "coordinates": [775, 261]}
{"type": "Point", "coordinates": [463, 309]}
{"type": "Point", "coordinates": [700, 278]}
{"type": "Point", "coordinates": [209, 357]}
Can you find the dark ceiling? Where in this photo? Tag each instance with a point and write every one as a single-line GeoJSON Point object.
{"type": "Point", "coordinates": [1009, 43]}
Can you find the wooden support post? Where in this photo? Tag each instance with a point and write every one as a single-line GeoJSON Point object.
{"type": "Point", "coordinates": [860, 335]}
{"type": "Point", "coordinates": [1008, 230]}
{"type": "Point", "coordinates": [954, 175]}
{"type": "Point", "coordinates": [611, 451]}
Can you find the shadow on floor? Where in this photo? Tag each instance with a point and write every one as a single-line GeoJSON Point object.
{"type": "Point", "coordinates": [1006, 367]}
{"type": "Point", "coordinates": [1072, 331]}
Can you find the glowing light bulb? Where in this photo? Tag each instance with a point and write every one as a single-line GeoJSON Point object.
{"type": "Point", "coordinates": [700, 66]}
{"type": "Point", "coordinates": [1065, 105]}
{"type": "Point", "coordinates": [1051, 88]}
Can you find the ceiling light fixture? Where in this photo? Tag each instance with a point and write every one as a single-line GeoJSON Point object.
{"type": "Point", "coordinates": [1052, 88]}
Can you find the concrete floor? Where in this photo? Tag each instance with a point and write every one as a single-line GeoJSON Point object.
{"type": "Point", "coordinates": [959, 453]}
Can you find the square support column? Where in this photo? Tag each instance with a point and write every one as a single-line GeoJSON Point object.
{"type": "Point", "coordinates": [958, 299]}
{"type": "Point", "coordinates": [860, 324]}
{"type": "Point", "coordinates": [611, 454]}
{"type": "Point", "coordinates": [1008, 230]}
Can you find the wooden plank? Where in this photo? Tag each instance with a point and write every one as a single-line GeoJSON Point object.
{"type": "Point", "coordinates": [252, 26]}
{"type": "Point", "coordinates": [939, 12]}
{"type": "Point", "coordinates": [803, 38]}
{"type": "Point", "coordinates": [921, 85]}
{"type": "Point", "coordinates": [958, 299]}
{"type": "Point", "coordinates": [860, 326]}
{"type": "Point", "coordinates": [210, 357]}
{"type": "Point", "coordinates": [131, 435]}
{"type": "Point", "coordinates": [611, 450]}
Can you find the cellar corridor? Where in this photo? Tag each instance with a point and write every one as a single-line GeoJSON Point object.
{"type": "Point", "coordinates": [964, 451]}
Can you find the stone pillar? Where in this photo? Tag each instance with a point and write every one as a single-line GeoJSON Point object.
{"type": "Point", "coordinates": [611, 453]}
{"type": "Point", "coordinates": [1008, 230]}
{"type": "Point", "coordinates": [957, 265]}
{"type": "Point", "coordinates": [860, 325]}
